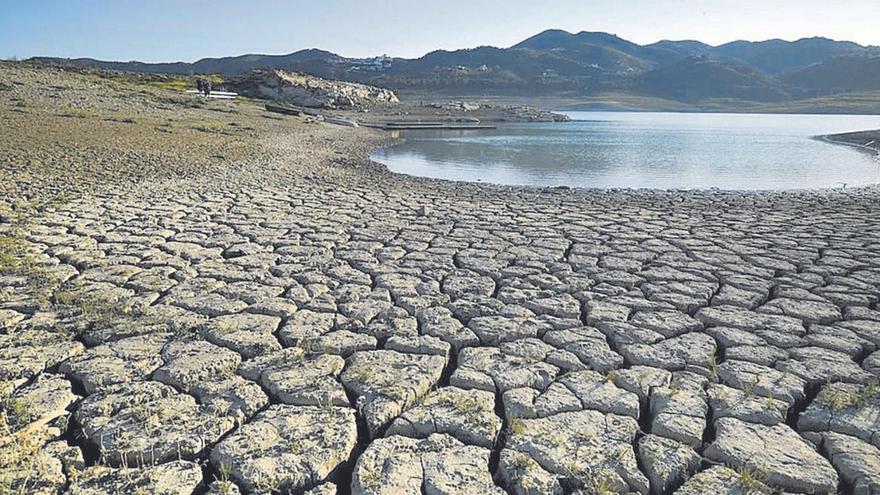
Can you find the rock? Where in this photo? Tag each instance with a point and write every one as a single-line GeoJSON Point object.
{"type": "Point", "coordinates": [208, 372]}
{"type": "Point", "coordinates": [691, 351]}
{"type": "Point", "coordinates": [127, 360]}
{"type": "Point", "coordinates": [173, 478]}
{"type": "Point", "coordinates": [845, 408]}
{"type": "Point", "coordinates": [438, 465]}
{"type": "Point", "coordinates": [423, 344]}
{"type": "Point", "coordinates": [295, 378]}
{"type": "Point", "coordinates": [230, 396]}
{"type": "Point", "coordinates": [46, 399]}
{"type": "Point", "coordinates": [24, 355]}
{"type": "Point", "coordinates": [389, 382]}
{"type": "Point", "coordinates": [341, 342]}
{"type": "Point", "coordinates": [287, 448]}
{"type": "Point", "coordinates": [667, 463]}
{"type": "Point", "coordinates": [724, 481]}
{"type": "Point", "coordinates": [37, 471]}
{"type": "Point", "coordinates": [806, 310]}
{"type": "Point", "coordinates": [523, 476]}
{"type": "Point", "coordinates": [247, 334]}
{"type": "Point", "coordinates": [188, 363]}
{"type": "Point", "coordinates": [761, 380]}
{"type": "Point", "coordinates": [323, 489]}
{"type": "Point", "coordinates": [817, 365]}
{"type": "Point", "coordinates": [311, 91]}
{"type": "Point", "coordinates": [493, 330]}
{"type": "Point", "coordinates": [571, 392]}
{"type": "Point", "coordinates": [783, 459]}
{"type": "Point", "coordinates": [561, 305]}
{"type": "Point", "coordinates": [730, 295]}
{"type": "Point", "coordinates": [679, 410]}
{"type": "Point", "coordinates": [212, 304]}
{"type": "Point", "coordinates": [491, 368]}
{"type": "Point", "coordinates": [305, 324]}
{"type": "Point", "coordinates": [588, 344]}
{"type": "Point", "coordinates": [640, 380]}
{"type": "Point", "coordinates": [764, 354]}
{"type": "Point", "coordinates": [732, 316]}
{"type": "Point", "coordinates": [667, 323]}
{"type": "Point", "coordinates": [467, 415]}
{"type": "Point", "coordinates": [439, 322]}
{"type": "Point", "coordinates": [727, 402]}
{"type": "Point", "coordinates": [585, 447]}
{"type": "Point", "coordinates": [143, 423]}
{"type": "Point", "coordinates": [464, 283]}
{"type": "Point", "coordinates": [872, 363]}
{"type": "Point", "coordinates": [857, 462]}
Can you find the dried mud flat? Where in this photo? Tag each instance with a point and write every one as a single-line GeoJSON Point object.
{"type": "Point", "coordinates": [201, 298]}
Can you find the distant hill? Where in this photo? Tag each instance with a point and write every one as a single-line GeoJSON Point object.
{"type": "Point", "coordinates": [840, 74]}
{"type": "Point", "coordinates": [559, 63]}
{"type": "Point", "coordinates": [778, 56]}
{"type": "Point", "coordinates": [698, 78]}
{"type": "Point", "coordinates": [224, 65]}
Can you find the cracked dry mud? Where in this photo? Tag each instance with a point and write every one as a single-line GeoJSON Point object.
{"type": "Point", "coordinates": [296, 319]}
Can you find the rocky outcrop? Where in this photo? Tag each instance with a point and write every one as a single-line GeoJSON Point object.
{"type": "Point", "coordinates": [311, 91]}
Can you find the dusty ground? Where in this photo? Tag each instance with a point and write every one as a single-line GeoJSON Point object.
{"type": "Point", "coordinates": [199, 298]}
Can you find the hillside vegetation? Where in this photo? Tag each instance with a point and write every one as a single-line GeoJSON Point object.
{"type": "Point", "coordinates": [586, 66]}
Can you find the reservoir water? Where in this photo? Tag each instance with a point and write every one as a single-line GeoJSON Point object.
{"type": "Point", "coordinates": [646, 150]}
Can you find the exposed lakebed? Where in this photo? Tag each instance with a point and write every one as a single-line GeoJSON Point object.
{"type": "Point", "coordinates": [646, 150]}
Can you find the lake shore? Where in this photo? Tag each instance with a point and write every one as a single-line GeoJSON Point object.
{"type": "Point", "coordinates": [865, 140]}
{"type": "Point", "coordinates": [645, 150]}
{"type": "Point", "coordinates": [178, 277]}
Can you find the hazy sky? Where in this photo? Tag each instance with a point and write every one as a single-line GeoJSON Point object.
{"type": "Point", "coordinates": [171, 30]}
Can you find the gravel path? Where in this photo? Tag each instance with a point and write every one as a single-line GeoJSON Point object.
{"type": "Point", "coordinates": [191, 306]}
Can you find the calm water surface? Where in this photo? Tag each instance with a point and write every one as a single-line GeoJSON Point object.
{"type": "Point", "coordinates": [646, 150]}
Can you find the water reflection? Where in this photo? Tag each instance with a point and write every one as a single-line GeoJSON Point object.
{"type": "Point", "coordinates": [646, 150]}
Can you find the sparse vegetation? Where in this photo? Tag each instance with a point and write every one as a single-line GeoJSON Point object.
{"type": "Point", "coordinates": [838, 397]}
{"type": "Point", "coordinates": [212, 127]}
{"type": "Point", "coordinates": [124, 120]}
{"type": "Point", "coordinates": [21, 467]}
{"type": "Point", "coordinates": [516, 426]}
{"type": "Point", "coordinates": [16, 252]}
{"type": "Point", "coordinates": [713, 366]}
{"type": "Point", "coordinates": [520, 464]}
{"type": "Point", "coordinates": [365, 375]}
{"type": "Point", "coordinates": [370, 478]}
{"type": "Point", "coordinates": [750, 480]}
{"type": "Point", "coordinates": [79, 113]}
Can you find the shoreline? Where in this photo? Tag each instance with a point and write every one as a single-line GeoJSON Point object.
{"type": "Point", "coordinates": [867, 141]}
{"type": "Point", "coordinates": [598, 190]}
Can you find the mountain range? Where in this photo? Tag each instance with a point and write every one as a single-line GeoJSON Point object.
{"type": "Point", "coordinates": [559, 63]}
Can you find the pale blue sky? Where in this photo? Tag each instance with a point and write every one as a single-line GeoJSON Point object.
{"type": "Point", "coordinates": [172, 30]}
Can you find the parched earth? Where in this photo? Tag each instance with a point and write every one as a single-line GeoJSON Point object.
{"type": "Point", "coordinates": [292, 318]}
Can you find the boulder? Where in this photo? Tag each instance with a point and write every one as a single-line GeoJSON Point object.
{"type": "Point", "coordinates": [311, 91]}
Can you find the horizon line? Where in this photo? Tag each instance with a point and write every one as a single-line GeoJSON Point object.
{"type": "Point", "coordinates": [14, 57]}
